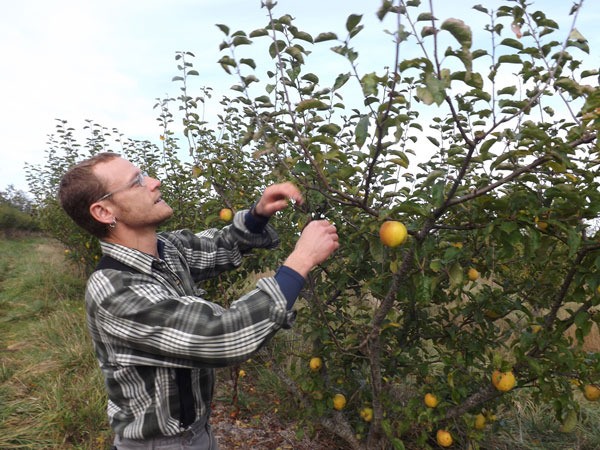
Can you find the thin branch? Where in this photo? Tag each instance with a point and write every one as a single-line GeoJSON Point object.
{"type": "Point", "coordinates": [379, 123]}
{"type": "Point", "coordinates": [491, 187]}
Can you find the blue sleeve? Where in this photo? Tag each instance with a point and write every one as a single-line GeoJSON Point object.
{"type": "Point", "coordinates": [291, 283]}
{"type": "Point", "coordinates": [254, 222]}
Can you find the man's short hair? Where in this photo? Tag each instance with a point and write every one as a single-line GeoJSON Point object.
{"type": "Point", "coordinates": [79, 188]}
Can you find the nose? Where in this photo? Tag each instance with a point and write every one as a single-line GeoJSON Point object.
{"type": "Point", "coordinates": [151, 182]}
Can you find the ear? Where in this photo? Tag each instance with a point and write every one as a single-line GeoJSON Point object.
{"type": "Point", "coordinates": [101, 213]}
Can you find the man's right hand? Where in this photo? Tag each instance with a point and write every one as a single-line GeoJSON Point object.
{"type": "Point", "coordinates": [317, 242]}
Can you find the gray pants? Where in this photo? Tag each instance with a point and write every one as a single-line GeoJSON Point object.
{"type": "Point", "coordinates": [198, 436]}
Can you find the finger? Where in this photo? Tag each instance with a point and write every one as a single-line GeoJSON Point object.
{"type": "Point", "coordinates": [290, 191]}
{"type": "Point", "coordinates": [280, 204]}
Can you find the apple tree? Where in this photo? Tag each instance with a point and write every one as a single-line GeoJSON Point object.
{"type": "Point", "coordinates": [486, 149]}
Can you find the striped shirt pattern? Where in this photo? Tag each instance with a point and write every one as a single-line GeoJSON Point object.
{"type": "Point", "coordinates": [148, 322]}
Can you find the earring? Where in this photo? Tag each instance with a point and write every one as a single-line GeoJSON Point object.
{"type": "Point", "coordinates": [113, 224]}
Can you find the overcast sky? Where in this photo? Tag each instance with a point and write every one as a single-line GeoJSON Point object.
{"type": "Point", "coordinates": [108, 60]}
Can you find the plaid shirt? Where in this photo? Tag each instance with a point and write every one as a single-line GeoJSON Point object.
{"type": "Point", "coordinates": [147, 323]}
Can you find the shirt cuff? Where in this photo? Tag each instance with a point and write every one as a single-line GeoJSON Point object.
{"type": "Point", "coordinates": [291, 283]}
{"type": "Point", "coordinates": [254, 222]}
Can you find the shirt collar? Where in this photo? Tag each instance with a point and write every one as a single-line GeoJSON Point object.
{"type": "Point", "coordinates": [136, 259]}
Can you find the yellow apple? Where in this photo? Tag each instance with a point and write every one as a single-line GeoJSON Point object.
{"type": "Point", "coordinates": [366, 414]}
{"type": "Point", "coordinates": [591, 392]}
{"type": "Point", "coordinates": [503, 381]}
{"type": "Point", "coordinates": [339, 401]}
{"type": "Point", "coordinates": [473, 274]}
{"type": "Point", "coordinates": [392, 233]}
{"type": "Point", "coordinates": [431, 400]}
{"type": "Point", "coordinates": [480, 421]}
{"type": "Point", "coordinates": [443, 438]}
{"type": "Point", "coordinates": [315, 364]}
{"type": "Point", "coordinates": [226, 214]}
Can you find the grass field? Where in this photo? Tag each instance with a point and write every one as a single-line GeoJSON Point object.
{"type": "Point", "coordinates": [52, 395]}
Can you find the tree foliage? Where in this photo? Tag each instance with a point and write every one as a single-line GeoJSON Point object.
{"type": "Point", "coordinates": [486, 151]}
{"type": "Point", "coordinates": [16, 211]}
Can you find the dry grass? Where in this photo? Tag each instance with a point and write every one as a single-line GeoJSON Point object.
{"type": "Point", "coordinates": [51, 394]}
{"type": "Point", "coordinates": [591, 342]}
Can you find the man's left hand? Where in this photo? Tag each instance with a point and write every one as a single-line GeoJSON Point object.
{"type": "Point", "coordinates": [276, 197]}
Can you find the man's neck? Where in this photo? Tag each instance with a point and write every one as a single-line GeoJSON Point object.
{"type": "Point", "coordinates": [144, 242]}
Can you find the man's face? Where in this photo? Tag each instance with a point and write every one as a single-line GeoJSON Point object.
{"type": "Point", "coordinates": [135, 199]}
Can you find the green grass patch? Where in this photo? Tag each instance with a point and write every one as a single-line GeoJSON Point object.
{"type": "Point", "coordinates": [51, 392]}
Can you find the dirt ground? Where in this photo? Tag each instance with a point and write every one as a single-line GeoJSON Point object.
{"type": "Point", "coordinates": [263, 432]}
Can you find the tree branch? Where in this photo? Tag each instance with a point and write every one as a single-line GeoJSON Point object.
{"type": "Point", "coordinates": [452, 202]}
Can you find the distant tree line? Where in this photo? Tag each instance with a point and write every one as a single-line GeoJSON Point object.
{"type": "Point", "coordinates": [17, 212]}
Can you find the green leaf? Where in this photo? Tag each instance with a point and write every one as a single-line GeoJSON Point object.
{"type": "Point", "coordinates": [485, 147]}
{"type": "Point", "coordinates": [456, 275]}
{"type": "Point", "coordinates": [589, 73]}
{"type": "Point", "coordinates": [249, 79]}
{"type": "Point", "coordinates": [426, 16]}
{"type": "Point", "coordinates": [286, 19]}
{"type": "Point", "coordinates": [259, 32]}
{"type": "Point", "coordinates": [330, 128]}
{"type": "Point", "coordinates": [361, 131]}
{"type": "Point", "coordinates": [329, 36]}
{"type": "Point", "coordinates": [398, 444]}
{"type": "Point", "coordinates": [433, 175]}
{"type": "Point", "coordinates": [311, 103]}
{"type": "Point", "coordinates": [311, 77]}
{"type": "Point", "coordinates": [427, 31]}
{"type": "Point", "coordinates": [434, 141]}
{"type": "Point", "coordinates": [478, 53]}
{"type": "Point", "coordinates": [512, 59]}
{"type": "Point", "coordinates": [433, 91]}
{"type": "Point", "coordinates": [510, 42]}
{"type": "Point", "coordinates": [510, 154]}
{"type": "Point", "coordinates": [509, 90]}
{"type": "Point", "coordinates": [575, 35]}
{"type": "Point", "coordinates": [223, 28]}
{"type": "Point", "coordinates": [568, 85]}
{"type": "Point", "coordinates": [241, 40]}
{"type": "Point", "coordinates": [418, 63]}
{"type": "Point", "coordinates": [369, 83]}
{"type": "Point", "coordinates": [425, 95]}
{"type": "Point", "coordinates": [435, 265]}
{"type": "Point", "coordinates": [248, 62]}
{"type": "Point", "coordinates": [303, 36]}
{"type": "Point", "coordinates": [573, 241]}
{"type": "Point", "coordinates": [570, 422]}
{"type": "Point", "coordinates": [581, 319]}
{"type": "Point", "coordinates": [475, 80]}
{"type": "Point", "coordinates": [275, 47]}
{"type": "Point", "coordinates": [583, 46]}
{"type": "Point", "coordinates": [341, 79]}
{"type": "Point", "coordinates": [295, 52]}
{"type": "Point", "coordinates": [461, 31]}
{"type": "Point", "coordinates": [227, 61]}
{"type": "Point", "coordinates": [352, 21]}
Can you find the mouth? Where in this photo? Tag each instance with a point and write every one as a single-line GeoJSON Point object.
{"type": "Point", "coordinates": [158, 200]}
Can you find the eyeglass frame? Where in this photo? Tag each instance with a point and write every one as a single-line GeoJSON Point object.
{"type": "Point", "coordinates": [139, 181]}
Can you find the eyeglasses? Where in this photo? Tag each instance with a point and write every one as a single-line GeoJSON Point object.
{"type": "Point", "coordinates": [139, 181]}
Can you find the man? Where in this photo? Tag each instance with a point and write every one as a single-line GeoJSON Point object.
{"type": "Point", "coordinates": [156, 338]}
